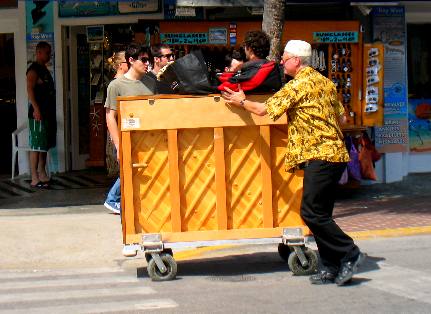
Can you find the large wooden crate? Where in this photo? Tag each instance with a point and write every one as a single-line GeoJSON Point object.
{"type": "Point", "coordinates": [195, 169]}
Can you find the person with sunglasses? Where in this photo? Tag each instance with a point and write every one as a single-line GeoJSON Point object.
{"type": "Point", "coordinates": [315, 146]}
{"type": "Point", "coordinates": [130, 84]}
{"type": "Point", "coordinates": [161, 56]}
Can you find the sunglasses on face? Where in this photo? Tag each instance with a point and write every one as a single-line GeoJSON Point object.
{"type": "Point", "coordinates": [143, 59]}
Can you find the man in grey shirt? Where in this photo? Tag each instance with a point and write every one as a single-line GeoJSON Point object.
{"type": "Point", "coordinates": [129, 84]}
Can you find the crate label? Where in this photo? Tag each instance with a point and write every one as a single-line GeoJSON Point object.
{"type": "Point", "coordinates": [131, 123]}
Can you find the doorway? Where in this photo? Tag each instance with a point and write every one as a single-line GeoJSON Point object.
{"type": "Point", "coordinates": [7, 100]}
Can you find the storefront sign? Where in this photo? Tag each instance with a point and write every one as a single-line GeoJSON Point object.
{"type": "Point", "coordinates": [184, 38]}
{"type": "Point", "coordinates": [217, 36]}
{"type": "Point", "coordinates": [68, 8]}
{"type": "Point", "coordinates": [185, 11]}
{"type": "Point", "coordinates": [221, 3]}
{"type": "Point", "coordinates": [147, 6]}
{"type": "Point", "coordinates": [335, 37]}
{"type": "Point", "coordinates": [389, 29]}
{"type": "Point", "coordinates": [232, 33]}
{"type": "Point", "coordinates": [174, 11]}
{"type": "Point", "coordinates": [39, 17]}
{"type": "Point", "coordinates": [392, 136]}
{"type": "Point", "coordinates": [95, 34]}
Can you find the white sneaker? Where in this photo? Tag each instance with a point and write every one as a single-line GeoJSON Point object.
{"type": "Point", "coordinates": [113, 207]}
{"type": "Point", "coordinates": [129, 251]}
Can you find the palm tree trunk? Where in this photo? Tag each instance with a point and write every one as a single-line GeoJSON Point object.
{"type": "Point", "coordinates": [272, 24]}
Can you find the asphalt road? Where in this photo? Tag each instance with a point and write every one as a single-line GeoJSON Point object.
{"type": "Point", "coordinates": [68, 260]}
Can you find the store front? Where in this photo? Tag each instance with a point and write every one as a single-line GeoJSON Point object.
{"type": "Point", "coordinates": [12, 67]}
{"type": "Point", "coordinates": [77, 93]}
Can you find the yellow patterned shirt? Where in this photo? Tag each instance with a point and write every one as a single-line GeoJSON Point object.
{"type": "Point", "coordinates": [310, 101]}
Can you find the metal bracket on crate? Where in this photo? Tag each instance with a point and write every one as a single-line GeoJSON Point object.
{"type": "Point", "coordinates": [160, 265]}
{"type": "Point", "coordinates": [152, 243]}
{"type": "Point", "coordinates": [293, 237]}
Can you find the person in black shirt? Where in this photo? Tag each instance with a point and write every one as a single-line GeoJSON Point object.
{"type": "Point", "coordinates": [41, 114]}
{"type": "Point", "coordinates": [161, 54]}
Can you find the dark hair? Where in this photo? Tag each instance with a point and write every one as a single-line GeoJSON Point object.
{"type": "Point", "coordinates": [258, 42]}
{"type": "Point", "coordinates": [42, 45]}
{"type": "Point", "coordinates": [134, 51]}
{"type": "Point", "coordinates": [156, 50]}
{"type": "Point", "coordinates": [239, 54]}
{"type": "Point", "coordinates": [235, 54]}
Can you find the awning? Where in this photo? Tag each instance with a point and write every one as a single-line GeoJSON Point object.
{"type": "Point", "coordinates": [220, 3]}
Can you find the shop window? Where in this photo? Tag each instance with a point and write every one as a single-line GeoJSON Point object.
{"type": "Point", "coordinates": [419, 60]}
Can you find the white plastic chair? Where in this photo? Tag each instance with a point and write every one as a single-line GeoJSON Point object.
{"type": "Point", "coordinates": [16, 147]}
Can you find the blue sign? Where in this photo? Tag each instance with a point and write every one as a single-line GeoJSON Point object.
{"type": "Point", "coordinates": [335, 37]}
{"type": "Point", "coordinates": [389, 29]}
{"type": "Point", "coordinates": [184, 38]}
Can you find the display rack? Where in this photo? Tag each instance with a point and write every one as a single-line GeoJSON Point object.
{"type": "Point", "coordinates": [97, 112]}
{"type": "Point", "coordinates": [342, 72]}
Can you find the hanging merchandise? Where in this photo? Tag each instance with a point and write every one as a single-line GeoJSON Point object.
{"type": "Point", "coordinates": [322, 61]}
{"type": "Point", "coordinates": [367, 157]}
{"type": "Point", "coordinates": [353, 166]}
{"type": "Point", "coordinates": [344, 177]}
{"type": "Point", "coordinates": [341, 73]}
{"type": "Point", "coordinates": [372, 71]}
{"type": "Point", "coordinates": [314, 59]}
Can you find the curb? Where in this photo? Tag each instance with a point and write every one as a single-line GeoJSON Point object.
{"type": "Point", "coordinates": [388, 233]}
{"type": "Point", "coordinates": [357, 235]}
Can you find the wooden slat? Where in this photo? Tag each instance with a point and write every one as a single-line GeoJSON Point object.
{"type": "Point", "coordinates": [188, 113]}
{"type": "Point", "coordinates": [127, 183]}
{"type": "Point", "coordinates": [265, 167]}
{"type": "Point", "coordinates": [174, 179]}
{"type": "Point", "coordinates": [220, 177]}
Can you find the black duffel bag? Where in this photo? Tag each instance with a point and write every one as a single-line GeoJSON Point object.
{"type": "Point", "coordinates": [188, 75]}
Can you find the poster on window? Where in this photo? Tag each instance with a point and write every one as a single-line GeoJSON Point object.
{"type": "Point", "coordinates": [389, 29]}
{"type": "Point", "coordinates": [217, 36]}
{"type": "Point", "coordinates": [420, 125]}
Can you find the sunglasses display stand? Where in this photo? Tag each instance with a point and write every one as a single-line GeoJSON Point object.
{"type": "Point", "coordinates": [373, 100]}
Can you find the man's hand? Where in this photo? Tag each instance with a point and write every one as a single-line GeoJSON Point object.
{"type": "Point", "coordinates": [233, 98]}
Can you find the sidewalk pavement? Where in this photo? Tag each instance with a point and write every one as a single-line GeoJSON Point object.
{"type": "Point", "coordinates": [404, 206]}
{"type": "Point", "coordinates": [69, 226]}
{"type": "Point", "coordinates": [362, 208]}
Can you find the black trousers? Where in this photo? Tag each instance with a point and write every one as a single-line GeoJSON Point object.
{"type": "Point", "coordinates": [320, 182]}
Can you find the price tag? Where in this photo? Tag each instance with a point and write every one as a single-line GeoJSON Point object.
{"type": "Point", "coordinates": [131, 123]}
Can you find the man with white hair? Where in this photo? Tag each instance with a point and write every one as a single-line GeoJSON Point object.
{"type": "Point", "coordinates": [315, 144]}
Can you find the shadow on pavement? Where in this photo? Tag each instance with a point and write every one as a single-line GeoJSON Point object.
{"type": "Point", "coordinates": [243, 267]}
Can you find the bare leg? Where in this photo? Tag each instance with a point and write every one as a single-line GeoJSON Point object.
{"type": "Point", "coordinates": [41, 167]}
{"type": "Point", "coordinates": [34, 160]}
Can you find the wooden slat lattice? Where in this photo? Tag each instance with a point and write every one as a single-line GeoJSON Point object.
{"type": "Point", "coordinates": [151, 184]}
{"type": "Point", "coordinates": [197, 179]}
{"type": "Point", "coordinates": [287, 187]}
{"type": "Point", "coordinates": [243, 178]}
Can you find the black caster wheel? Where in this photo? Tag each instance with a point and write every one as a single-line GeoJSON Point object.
{"type": "Point", "coordinates": [148, 256]}
{"type": "Point", "coordinates": [171, 268]}
{"type": "Point", "coordinates": [296, 266]}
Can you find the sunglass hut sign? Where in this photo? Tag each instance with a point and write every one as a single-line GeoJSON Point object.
{"type": "Point", "coordinates": [184, 38]}
{"type": "Point", "coordinates": [335, 37]}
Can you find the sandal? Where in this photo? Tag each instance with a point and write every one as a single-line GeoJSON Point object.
{"type": "Point", "coordinates": [40, 184]}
